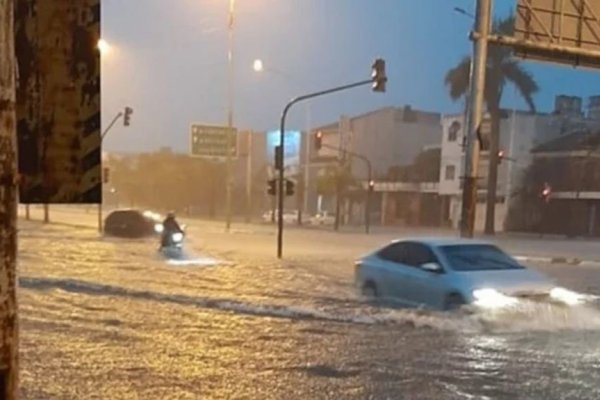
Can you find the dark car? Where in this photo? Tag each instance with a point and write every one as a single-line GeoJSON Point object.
{"type": "Point", "coordinates": [132, 224]}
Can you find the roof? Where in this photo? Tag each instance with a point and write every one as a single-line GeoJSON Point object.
{"type": "Point", "coordinates": [424, 116]}
{"type": "Point", "coordinates": [441, 241]}
{"type": "Point", "coordinates": [581, 140]}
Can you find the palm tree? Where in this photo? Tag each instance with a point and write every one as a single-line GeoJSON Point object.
{"type": "Point", "coordinates": [501, 69]}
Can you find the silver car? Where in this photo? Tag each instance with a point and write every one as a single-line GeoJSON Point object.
{"type": "Point", "coordinates": [448, 273]}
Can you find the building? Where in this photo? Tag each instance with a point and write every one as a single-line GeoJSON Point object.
{"type": "Point", "coordinates": [389, 138]}
{"type": "Point", "coordinates": [568, 167]}
{"type": "Point", "coordinates": [520, 132]}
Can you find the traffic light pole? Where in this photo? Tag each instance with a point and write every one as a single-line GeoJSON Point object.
{"type": "Point", "coordinates": [286, 109]}
{"type": "Point", "coordinates": [108, 128]}
{"type": "Point", "coordinates": [370, 177]}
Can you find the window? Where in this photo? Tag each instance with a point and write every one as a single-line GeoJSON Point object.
{"type": "Point", "coordinates": [395, 252]}
{"type": "Point", "coordinates": [419, 254]}
{"type": "Point", "coordinates": [450, 172]}
{"type": "Point", "coordinates": [478, 257]}
{"type": "Point", "coordinates": [453, 131]}
{"type": "Point", "coordinates": [408, 253]}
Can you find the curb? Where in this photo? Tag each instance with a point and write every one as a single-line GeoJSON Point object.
{"type": "Point", "coordinates": [560, 260]}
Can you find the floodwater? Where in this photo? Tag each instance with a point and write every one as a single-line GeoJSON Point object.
{"type": "Point", "coordinates": [103, 318]}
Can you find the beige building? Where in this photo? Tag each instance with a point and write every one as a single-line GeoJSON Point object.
{"type": "Point", "coordinates": [520, 132]}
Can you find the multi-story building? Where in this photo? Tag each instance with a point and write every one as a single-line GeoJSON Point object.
{"type": "Point", "coordinates": [389, 138]}
{"type": "Point", "coordinates": [520, 132]}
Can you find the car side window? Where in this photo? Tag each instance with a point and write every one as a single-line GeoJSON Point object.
{"type": "Point", "coordinates": [419, 254]}
{"type": "Point", "coordinates": [395, 252]}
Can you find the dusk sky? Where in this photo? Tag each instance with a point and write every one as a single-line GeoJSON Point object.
{"type": "Point", "coordinates": [169, 62]}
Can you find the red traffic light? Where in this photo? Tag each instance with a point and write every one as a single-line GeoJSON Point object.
{"type": "Point", "coordinates": [318, 140]}
{"type": "Point", "coordinates": [546, 192]}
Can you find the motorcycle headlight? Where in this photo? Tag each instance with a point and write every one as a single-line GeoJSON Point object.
{"type": "Point", "coordinates": [566, 296]}
{"type": "Point", "coordinates": [491, 298]}
{"type": "Point", "coordinates": [177, 237]}
{"type": "Point", "coordinates": [159, 228]}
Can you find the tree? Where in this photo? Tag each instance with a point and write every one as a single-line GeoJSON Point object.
{"type": "Point", "coordinates": [9, 320]}
{"type": "Point", "coordinates": [501, 69]}
{"type": "Point", "coordinates": [336, 181]}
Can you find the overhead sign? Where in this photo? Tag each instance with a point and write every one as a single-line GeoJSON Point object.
{"type": "Point", "coordinates": [291, 151]}
{"type": "Point", "coordinates": [566, 32]}
{"type": "Point", "coordinates": [212, 141]}
{"type": "Point", "coordinates": [58, 100]}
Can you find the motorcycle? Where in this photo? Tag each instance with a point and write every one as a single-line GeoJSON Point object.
{"type": "Point", "coordinates": [173, 248]}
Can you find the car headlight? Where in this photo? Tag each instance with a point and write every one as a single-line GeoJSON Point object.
{"type": "Point", "coordinates": [159, 228]}
{"type": "Point", "coordinates": [566, 296]}
{"type": "Point", "coordinates": [177, 237]}
{"type": "Point", "coordinates": [491, 298]}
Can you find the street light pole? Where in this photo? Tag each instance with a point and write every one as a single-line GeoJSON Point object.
{"type": "Point", "coordinates": [228, 184]}
{"type": "Point", "coordinates": [259, 66]}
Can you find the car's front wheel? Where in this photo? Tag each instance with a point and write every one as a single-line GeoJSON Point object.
{"type": "Point", "coordinates": [454, 301]}
{"type": "Point", "coordinates": [369, 290]}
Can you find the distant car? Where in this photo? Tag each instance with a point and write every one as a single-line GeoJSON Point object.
{"type": "Point", "coordinates": [448, 273]}
{"type": "Point", "coordinates": [289, 217]}
{"type": "Point", "coordinates": [322, 218]}
{"type": "Point", "coordinates": [133, 224]}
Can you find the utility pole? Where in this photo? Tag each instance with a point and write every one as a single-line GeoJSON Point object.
{"type": "Point", "coordinates": [306, 162]}
{"type": "Point", "coordinates": [249, 177]}
{"type": "Point", "coordinates": [229, 177]}
{"type": "Point", "coordinates": [477, 82]}
{"type": "Point", "coordinates": [9, 345]}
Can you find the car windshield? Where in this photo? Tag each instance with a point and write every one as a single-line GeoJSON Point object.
{"type": "Point", "coordinates": [478, 257]}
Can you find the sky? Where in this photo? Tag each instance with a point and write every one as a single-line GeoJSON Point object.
{"type": "Point", "coordinates": [168, 61]}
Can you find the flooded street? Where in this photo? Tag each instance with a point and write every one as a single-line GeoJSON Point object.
{"type": "Point", "coordinates": [103, 318]}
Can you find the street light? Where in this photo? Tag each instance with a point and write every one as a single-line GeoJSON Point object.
{"type": "Point", "coordinates": [103, 46]}
{"type": "Point", "coordinates": [258, 66]}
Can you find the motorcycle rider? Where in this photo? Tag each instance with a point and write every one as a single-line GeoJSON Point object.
{"type": "Point", "coordinates": [170, 226]}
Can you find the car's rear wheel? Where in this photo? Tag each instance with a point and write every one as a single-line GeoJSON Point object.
{"type": "Point", "coordinates": [369, 290]}
{"type": "Point", "coordinates": [454, 301]}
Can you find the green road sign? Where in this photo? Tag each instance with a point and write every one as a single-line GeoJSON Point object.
{"type": "Point", "coordinates": [211, 141]}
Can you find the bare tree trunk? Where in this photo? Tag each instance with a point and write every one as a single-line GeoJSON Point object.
{"type": "Point", "coordinates": [492, 184]}
{"type": "Point", "coordinates": [8, 208]}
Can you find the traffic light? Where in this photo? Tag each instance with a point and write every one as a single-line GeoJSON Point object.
{"type": "Point", "coordinates": [546, 192]}
{"type": "Point", "coordinates": [378, 75]}
{"type": "Point", "coordinates": [278, 158]}
{"type": "Point", "coordinates": [371, 185]}
{"type": "Point", "coordinates": [289, 187]}
{"type": "Point", "coordinates": [318, 140]}
{"type": "Point", "coordinates": [127, 116]}
{"type": "Point", "coordinates": [105, 175]}
{"type": "Point", "coordinates": [500, 156]}
{"type": "Point", "coordinates": [272, 190]}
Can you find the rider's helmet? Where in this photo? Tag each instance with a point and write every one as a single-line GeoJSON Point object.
{"type": "Point", "coordinates": [171, 214]}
